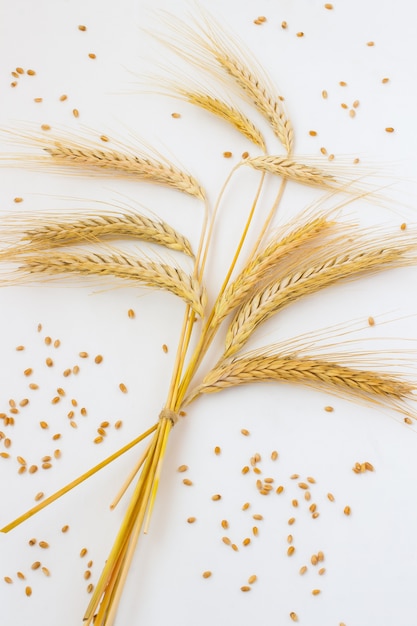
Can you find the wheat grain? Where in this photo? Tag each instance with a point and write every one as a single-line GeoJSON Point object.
{"type": "Point", "coordinates": [342, 260]}
{"type": "Point", "coordinates": [124, 266]}
{"type": "Point", "coordinates": [51, 231]}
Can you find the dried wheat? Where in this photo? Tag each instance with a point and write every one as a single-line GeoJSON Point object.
{"type": "Point", "coordinates": [120, 265]}
{"type": "Point", "coordinates": [342, 260]}
{"type": "Point", "coordinates": [51, 232]}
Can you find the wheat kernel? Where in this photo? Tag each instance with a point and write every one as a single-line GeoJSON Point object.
{"type": "Point", "coordinates": [403, 226]}
{"type": "Point", "coordinates": [352, 113]}
{"type": "Point", "coordinates": [36, 565]}
{"type": "Point", "coordinates": [33, 469]}
{"type": "Point", "coordinates": [21, 576]}
{"type": "Point", "coordinates": [323, 151]}
{"type": "Point", "coordinates": [28, 371]}
{"type": "Point", "coordinates": [225, 524]}
{"type": "Point", "coordinates": [73, 424]}
{"type": "Point", "coordinates": [227, 154]}
{"type": "Point", "coordinates": [312, 507]}
{"type": "Point", "coordinates": [234, 547]}
{"type": "Point", "coordinates": [385, 80]}
{"type": "Point", "coordinates": [206, 574]}
{"type": "Point", "coordinates": [245, 469]}
{"type": "Point", "coordinates": [303, 485]}
{"type": "Point", "coordinates": [289, 539]}
{"type": "Point", "coordinates": [245, 155]}
{"type": "Point", "coordinates": [300, 34]}
{"type": "Point", "coordinates": [45, 571]}
{"type": "Point", "coordinates": [330, 497]}
{"type": "Point", "coordinates": [118, 424]}
{"type": "Point", "coordinates": [90, 564]}
{"type": "Point", "coordinates": [320, 555]}
{"type": "Point", "coordinates": [321, 571]}
{"type": "Point", "coordinates": [175, 115]}
{"type": "Point", "coordinates": [316, 592]}
{"type": "Point", "coordinates": [123, 388]}
{"type": "Point", "coordinates": [389, 129]}
{"type": "Point", "coordinates": [98, 439]}
{"type": "Point", "coordinates": [4, 455]}
{"type": "Point", "coordinates": [324, 94]}
{"type": "Point", "coordinates": [344, 105]}
{"type": "Point", "coordinates": [66, 373]}
{"type": "Point", "coordinates": [216, 496]}
{"type": "Point", "coordinates": [30, 72]}
{"type": "Point", "coordinates": [369, 466]}
{"type": "Point", "coordinates": [279, 489]}
{"type": "Point", "coordinates": [291, 521]}
{"type": "Point", "coordinates": [22, 469]}
{"type": "Point", "coordinates": [370, 43]}
{"type": "Point", "coordinates": [294, 616]}
{"type": "Point", "coordinates": [49, 362]}
{"type": "Point", "coordinates": [290, 551]}
{"type": "Point", "coordinates": [56, 436]}
{"type": "Point", "coordinates": [48, 341]}
{"type": "Point", "coordinates": [92, 55]}
{"type": "Point", "coordinates": [187, 482]}
{"type": "Point", "coordinates": [226, 540]}
{"type": "Point", "coordinates": [83, 411]}
{"type": "Point", "coordinates": [303, 570]}
{"type": "Point", "coordinates": [246, 541]}
{"type": "Point", "coordinates": [55, 400]}
{"type": "Point", "coordinates": [28, 591]}
{"type": "Point", "coordinates": [284, 25]}
{"type": "Point", "coordinates": [65, 528]}
{"type": "Point", "coordinates": [245, 506]}
{"type": "Point", "coordinates": [101, 431]}
{"type": "Point", "coordinates": [256, 470]}
{"type": "Point", "coordinates": [315, 515]}
{"type": "Point", "coordinates": [252, 579]}
{"type": "Point", "coordinates": [87, 574]}
{"type": "Point", "coordinates": [165, 348]}
{"type": "Point", "coordinates": [46, 465]}
{"type": "Point", "coordinates": [76, 113]}
{"type": "Point", "coordinates": [90, 588]}
{"type": "Point", "coordinates": [83, 552]}
{"type": "Point", "coordinates": [32, 541]}
{"type": "Point", "coordinates": [330, 157]}
{"type": "Point", "coordinates": [21, 460]}
{"type": "Point", "coordinates": [328, 6]}
{"type": "Point", "coordinates": [314, 559]}
{"type": "Point", "coordinates": [57, 454]}
{"type": "Point", "coordinates": [217, 450]}
{"type": "Point", "coordinates": [43, 425]}
{"type": "Point", "coordinates": [8, 580]}
{"type": "Point", "coordinates": [347, 510]}
{"type": "Point", "coordinates": [294, 503]}
{"type": "Point", "coordinates": [82, 27]}
{"type": "Point", "coordinates": [245, 432]}
{"type": "Point", "coordinates": [43, 544]}
{"type": "Point", "coordinates": [182, 468]}
{"type": "Point", "coordinates": [191, 520]}
{"type": "Point", "coordinates": [257, 516]}
{"type": "Point", "coordinates": [131, 313]}
{"type": "Point", "coordinates": [255, 531]}
{"type": "Point", "coordinates": [294, 476]}
{"type": "Point", "coordinates": [274, 455]}
{"type": "Point", "coordinates": [33, 386]}
{"type": "Point", "coordinates": [98, 359]}
{"type": "Point", "coordinates": [63, 97]}
{"type": "Point", "coordinates": [312, 133]}
{"type": "Point", "coordinates": [329, 409]}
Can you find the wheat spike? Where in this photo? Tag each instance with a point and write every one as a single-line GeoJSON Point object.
{"type": "Point", "coordinates": [119, 265]}
{"type": "Point", "coordinates": [87, 156]}
{"type": "Point", "coordinates": [213, 49]}
{"type": "Point", "coordinates": [50, 231]}
{"type": "Point", "coordinates": [374, 386]}
{"type": "Point", "coordinates": [291, 169]}
{"type": "Point", "coordinates": [341, 261]}
{"type": "Point", "coordinates": [266, 262]}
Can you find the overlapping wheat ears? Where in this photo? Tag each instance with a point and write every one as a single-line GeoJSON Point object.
{"type": "Point", "coordinates": [313, 251]}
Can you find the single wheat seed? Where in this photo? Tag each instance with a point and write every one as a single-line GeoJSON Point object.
{"type": "Point", "coordinates": [123, 388]}
{"type": "Point", "coordinates": [28, 591]}
{"type": "Point", "coordinates": [316, 592]}
{"type": "Point", "coordinates": [294, 616]}
{"type": "Point", "coordinates": [347, 510]}
{"type": "Point", "coordinates": [303, 570]}
{"type": "Point", "coordinates": [216, 496]}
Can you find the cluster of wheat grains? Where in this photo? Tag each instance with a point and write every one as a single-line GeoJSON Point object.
{"type": "Point", "coordinates": [312, 251]}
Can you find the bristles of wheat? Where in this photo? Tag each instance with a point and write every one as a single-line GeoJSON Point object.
{"type": "Point", "coordinates": [50, 231]}
{"type": "Point", "coordinates": [119, 265]}
{"type": "Point", "coordinates": [87, 156]}
{"type": "Point", "coordinates": [265, 262]}
{"type": "Point", "coordinates": [341, 261]}
{"type": "Point", "coordinates": [374, 386]}
{"type": "Point", "coordinates": [213, 49]}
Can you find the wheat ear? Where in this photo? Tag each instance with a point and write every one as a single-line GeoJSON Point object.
{"type": "Point", "coordinates": [225, 111]}
{"type": "Point", "coordinates": [119, 265]}
{"type": "Point", "coordinates": [265, 262]}
{"type": "Point", "coordinates": [343, 260]}
{"type": "Point", "coordinates": [379, 387]}
{"type": "Point", "coordinates": [88, 156]}
{"type": "Point", "coordinates": [50, 232]}
{"type": "Point", "coordinates": [214, 50]}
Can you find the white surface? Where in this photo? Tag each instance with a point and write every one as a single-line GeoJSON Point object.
{"type": "Point", "coordinates": [370, 556]}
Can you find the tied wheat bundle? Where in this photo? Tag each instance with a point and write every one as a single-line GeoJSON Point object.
{"type": "Point", "coordinates": [312, 251]}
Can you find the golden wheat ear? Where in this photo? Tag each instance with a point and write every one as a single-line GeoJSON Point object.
{"type": "Point", "coordinates": [344, 258]}
{"type": "Point", "coordinates": [49, 264]}
{"type": "Point", "coordinates": [39, 231]}
{"type": "Point", "coordinates": [87, 156]}
{"type": "Point", "coordinates": [380, 388]}
{"type": "Point", "coordinates": [209, 47]}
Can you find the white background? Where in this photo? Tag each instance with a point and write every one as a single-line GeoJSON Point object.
{"type": "Point", "coordinates": [370, 556]}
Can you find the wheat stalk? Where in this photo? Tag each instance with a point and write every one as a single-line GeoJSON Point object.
{"type": "Point", "coordinates": [321, 270]}
{"type": "Point", "coordinates": [50, 232]}
{"type": "Point", "coordinates": [124, 266]}
{"type": "Point", "coordinates": [259, 366]}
